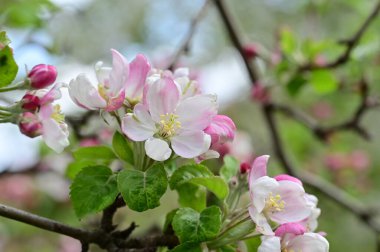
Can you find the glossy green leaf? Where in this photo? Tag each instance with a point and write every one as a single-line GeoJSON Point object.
{"type": "Point", "coordinates": [122, 148]}
{"type": "Point", "coordinates": [323, 81]}
{"type": "Point", "coordinates": [184, 173]}
{"type": "Point", "coordinates": [93, 189]}
{"type": "Point", "coordinates": [188, 247]}
{"type": "Point", "coordinates": [99, 153]}
{"type": "Point", "coordinates": [193, 196]}
{"type": "Point", "coordinates": [143, 190]}
{"type": "Point", "coordinates": [8, 66]}
{"type": "Point", "coordinates": [75, 167]}
{"type": "Point", "coordinates": [295, 84]}
{"type": "Point", "coordinates": [190, 225]}
{"type": "Point", "coordinates": [214, 184]}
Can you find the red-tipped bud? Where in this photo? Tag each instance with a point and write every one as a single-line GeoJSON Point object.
{"type": "Point", "coordinates": [42, 76]}
{"type": "Point", "coordinates": [244, 167]}
{"type": "Point", "coordinates": [260, 93]}
{"type": "Point", "coordinates": [30, 125]}
{"type": "Point", "coordinates": [250, 51]}
{"type": "Point", "coordinates": [30, 102]}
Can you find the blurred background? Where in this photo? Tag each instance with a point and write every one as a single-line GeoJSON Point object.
{"type": "Point", "coordinates": [74, 34]}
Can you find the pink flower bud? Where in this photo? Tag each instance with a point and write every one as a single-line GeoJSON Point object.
{"type": "Point", "coordinates": [221, 129]}
{"type": "Point", "coordinates": [260, 93]}
{"type": "Point", "coordinates": [42, 76]}
{"type": "Point", "coordinates": [250, 51]}
{"type": "Point", "coordinates": [360, 160]}
{"type": "Point", "coordinates": [30, 125]}
{"type": "Point", "coordinates": [30, 102]}
{"type": "Point", "coordinates": [244, 167]}
{"type": "Point", "coordinates": [290, 228]}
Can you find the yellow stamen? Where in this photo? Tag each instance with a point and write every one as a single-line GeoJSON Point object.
{"type": "Point", "coordinates": [274, 203]}
{"type": "Point", "coordinates": [168, 125]}
{"type": "Point", "coordinates": [57, 114]}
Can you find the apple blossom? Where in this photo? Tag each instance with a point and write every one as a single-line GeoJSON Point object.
{"type": "Point", "coordinates": [279, 201]}
{"type": "Point", "coordinates": [165, 119]}
{"type": "Point", "coordinates": [42, 76]}
{"type": "Point", "coordinates": [293, 237]}
{"type": "Point", "coordinates": [34, 99]}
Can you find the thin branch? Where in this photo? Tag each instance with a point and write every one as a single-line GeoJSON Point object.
{"type": "Point", "coordinates": [336, 194]}
{"type": "Point", "coordinates": [350, 43]}
{"type": "Point", "coordinates": [106, 222]}
{"type": "Point", "coordinates": [184, 47]}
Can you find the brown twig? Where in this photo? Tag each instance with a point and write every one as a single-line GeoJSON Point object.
{"type": "Point", "coordinates": [184, 47]}
{"type": "Point", "coordinates": [106, 222]}
{"type": "Point", "coordinates": [334, 193]}
{"type": "Point", "coordinates": [350, 43]}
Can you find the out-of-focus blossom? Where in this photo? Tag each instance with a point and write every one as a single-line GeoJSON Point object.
{"type": "Point", "coordinates": [89, 142]}
{"type": "Point", "coordinates": [165, 119]}
{"type": "Point", "coordinates": [293, 237]}
{"type": "Point", "coordinates": [336, 161]}
{"type": "Point", "coordinates": [260, 93]}
{"type": "Point", "coordinates": [18, 189]}
{"type": "Point", "coordinates": [279, 201]}
{"type": "Point", "coordinates": [42, 76]}
{"type": "Point", "coordinates": [359, 160]}
{"type": "Point", "coordinates": [250, 50]}
{"type": "Point", "coordinates": [322, 110]}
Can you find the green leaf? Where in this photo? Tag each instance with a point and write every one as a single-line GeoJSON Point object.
{"type": "Point", "coordinates": [168, 220]}
{"type": "Point", "coordinates": [189, 225]}
{"type": "Point", "coordinates": [4, 40]}
{"type": "Point", "coordinates": [188, 247]}
{"type": "Point", "coordinates": [75, 167]}
{"type": "Point", "coordinates": [103, 154]}
{"type": "Point", "coordinates": [199, 175]}
{"type": "Point", "coordinates": [122, 148]}
{"type": "Point", "coordinates": [193, 196]}
{"type": "Point", "coordinates": [295, 84]}
{"type": "Point", "coordinates": [288, 41]}
{"type": "Point", "coordinates": [230, 168]}
{"type": "Point", "coordinates": [143, 190]}
{"type": "Point", "coordinates": [214, 184]}
{"type": "Point", "coordinates": [228, 249]}
{"type": "Point", "coordinates": [93, 189]}
{"type": "Point", "coordinates": [253, 243]}
{"type": "Point", "coordinates": [8, 67]}
{"type": "Point", "coordinates": [184, 173]}
{"type": "Point", "coordinates": [323, 81]}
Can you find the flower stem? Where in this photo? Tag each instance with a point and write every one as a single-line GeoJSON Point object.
{"type": "Point", "coordinates": [19, 85]}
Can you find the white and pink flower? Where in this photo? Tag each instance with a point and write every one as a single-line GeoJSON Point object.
{"type": "Point", "coordinates": [293, 237]}
{"type": "Point", "coordinates": [122, 82]}
{"type": "Point", "coordinates": [279, 200]}
{"type": "Point", "coordinates": [166, 122]}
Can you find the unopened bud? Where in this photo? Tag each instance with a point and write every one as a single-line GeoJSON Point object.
{"type": "Point", "coordinates": [244, 167]}
{"type": "Point", "coordinates": [30, 102]}
{"type": "Point", "coordinates": [250, 51]}
{"type": "Point", "coordinates": [260, 93]}
{"type": "Point", "coordinates": [42, 76]}
{"type": "Point", "coordinates": [30, 125]}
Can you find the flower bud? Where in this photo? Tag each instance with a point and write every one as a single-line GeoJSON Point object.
{"type": "Point", "coordinates": [244, 167]}
{"type": "Point", "coordinates": [30, 102]}
{"type": "Point", "coordinates": [42, 76]}
{"type": "Point", "coordinates": [250, 51]}
{"type": "Point", "coordinates": [260, 93]}
{"type": "Point", "coordinates": [221, 129]}
{"type": "Point", "coordinates": [30, 125]}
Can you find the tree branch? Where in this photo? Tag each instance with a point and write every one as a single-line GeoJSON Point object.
{"type": "Point", "coordinates": [184, 47]}
{"type": "Point", "coordinates": [336, 194]}
{"type": "Point", "coordinates": [350, 43]}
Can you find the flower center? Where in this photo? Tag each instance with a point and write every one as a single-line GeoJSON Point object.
{"type": "Point", "coordinates": [103, 92]}
{"type": "Point", "coordinates": [274, 203]}
{"type": "Point", "coordinates": [168, 125]}
{"type": "Point", "coordinates": [57, 114]}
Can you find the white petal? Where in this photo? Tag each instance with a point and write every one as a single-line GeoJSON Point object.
{"type": "Point", "coordinates": [162, 97]}
{"type": "Point", "coordinates": [260, 191]}
{"type": "Point", "coordinates": [55, 135]}
{"type": "Point", "coordinates": [261, 221]}
{"type": "Point", "coordinates": [296, 207]}
{"type": "Point", "coordinates": [157, 149]}
{"type": "Point", "coordinates": [84, 94]}
{"type": "Point", "coordinates": [138, 126]}
{"type": "Point", "coordinates": [270, 244]}
{"type": "Point", "coordinates": [190, 144]}
{"type": "Point", "coordinates": [309, 242]}
{"type": "Point", "coordinates": [196, 112]}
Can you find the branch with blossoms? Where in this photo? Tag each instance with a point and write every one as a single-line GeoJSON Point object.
{"type": "Point", "coordinates": [163, 129]}
{"type": "Point", "coordinates": [269, 108]}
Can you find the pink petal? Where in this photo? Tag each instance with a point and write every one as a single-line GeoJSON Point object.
{"type": "Point", "coordinates": [288, 177]}
{"type": "Point", "coordinates": [139, 126]}
{"type": "Point", "coordinates": [190, 144]}
{"type": "Point", "coordinates": [162, 97]}
{"type": "Point", "coordinates": [84, 94]}
{"type": "Point", "coordinates": [138, 71]}
{"type": "Point", "coordinates": [221, 129]}
{"type": "Point", "coordinates": [114, 103]}
{"type": "Point", "coordinates": [119, 73]}
{"type": "Point", "coordinates": [196, 112]}
{"type": "Point", "coordinates": [157, 149]}
{"type": "Point", "coordinates": [259, 168]}
{"type": "Point", "coordinates": [296, 207]}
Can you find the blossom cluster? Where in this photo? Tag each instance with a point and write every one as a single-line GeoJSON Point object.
{"type": "Point", "coordinates": [166, 110]}
{"type": "Point", "coordinates": [282, 203]}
